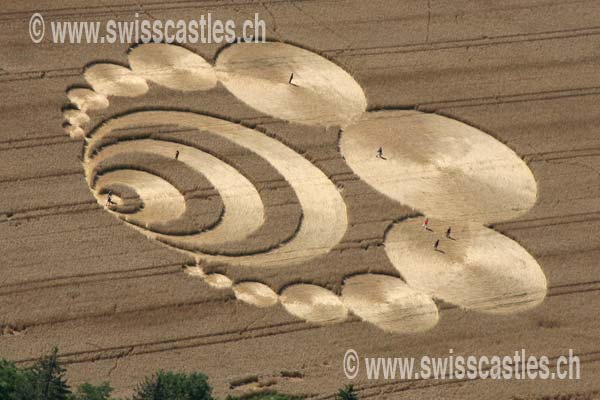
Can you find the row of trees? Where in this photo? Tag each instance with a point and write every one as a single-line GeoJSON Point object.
{"type": "Point", "coordinates": [46, 380]}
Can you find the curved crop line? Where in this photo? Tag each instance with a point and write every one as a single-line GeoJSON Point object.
{"type": "Point", "coordinates": [324, 216]}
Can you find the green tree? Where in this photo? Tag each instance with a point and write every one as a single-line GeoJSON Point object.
{"type": "Point", "coordinates": [91, 392]}
{"type": "Point", "coordinates": [174, 386]}
{"type": "Point", "coordinates": [15, 383]}
{"type": "Point", "coordinates": [347, 393]}
{"type": "Point", "coordinates": [48, 379]}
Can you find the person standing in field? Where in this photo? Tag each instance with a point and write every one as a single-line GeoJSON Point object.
{"type": "Point", "coordinates": [449, 232]}
{"type": "Point", "coordinates": [426, 223]}
{"type": "Point", "coordinates": [177, 155]}
{"type": "Point", "coordinates": [379, 153]}
{"type": "Point", "coordinates": [436, 244]}
{"type": "Point", "coordinates": [109, 201]}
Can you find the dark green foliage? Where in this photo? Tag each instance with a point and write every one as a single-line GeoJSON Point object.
{"type": "Point", "coordinates": [174, 386]}
{"type": "Point", "coordinates": [15, 383]}
{"type": "Point", "coordinates": [347, 393]}
{"type": "Point", "coordinates": [48, 379]}
{"type": "Point", "coordinates": [91, 392]}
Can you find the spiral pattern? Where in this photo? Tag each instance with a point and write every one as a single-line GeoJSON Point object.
{"type": "Point", "coordinates": [197, 183]}
{"type": "Point", "coordinates": [324, 218]}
